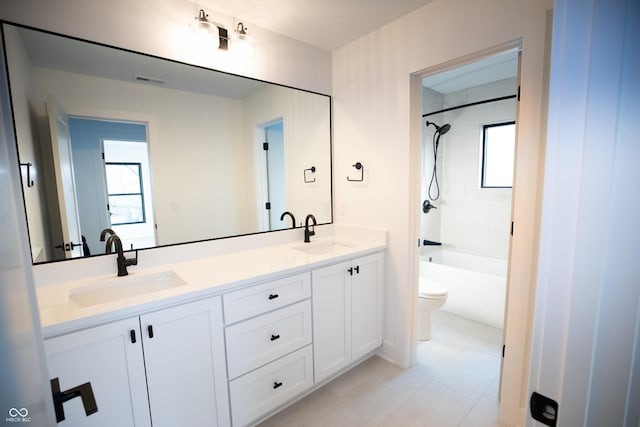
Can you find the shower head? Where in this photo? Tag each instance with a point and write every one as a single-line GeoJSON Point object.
{"type": "Point", "coordinates": [440, 129]}
{"type": "Point", "coordinates": [443, 129]}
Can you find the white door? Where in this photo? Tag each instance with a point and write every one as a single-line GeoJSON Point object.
{"type": "Point", "coordinates": [110, 358]}
{"type": "Point", "coordinates": [65, 180]}
{"type": "Point", "coordinates": [331, 297]}
{"type": "Point", "coordinates": [185, 360]}
{"type": "Point", "coordinates": [366, 305]}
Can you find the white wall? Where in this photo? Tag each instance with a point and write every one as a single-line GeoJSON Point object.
{"type": "Point", "coordinates": [377, 120]}
{"type": "Point", "coordinates": [475, 220]}
{"type": "Point", "coordinates": [587, 325]}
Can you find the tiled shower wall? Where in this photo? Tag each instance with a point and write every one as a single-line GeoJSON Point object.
{"type": "Point", "coordinates": [471, 219]}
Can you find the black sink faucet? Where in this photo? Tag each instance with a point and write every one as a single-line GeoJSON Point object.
{"type": "Point", "coordinates": [308, 233]}
{"type": "Point", "coordinates": [123, 262]}
{"type": "Point", "coordinates": [293, 218]}
{"type": "Point", "coordinates": [105, 232]}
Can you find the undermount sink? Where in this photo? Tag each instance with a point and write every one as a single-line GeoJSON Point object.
{"type": "Point", "coordinates": [125, 287]}
{"type": "Point", "coordinates": [323, 248]}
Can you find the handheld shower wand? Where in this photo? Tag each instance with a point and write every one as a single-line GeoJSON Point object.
{"type": "Point", "coordinates": [440, 130]}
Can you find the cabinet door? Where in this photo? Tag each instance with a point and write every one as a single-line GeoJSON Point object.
{"type": "Point", "coordinates": [186, 370]}
{"type": "Point", "coordinates": [106, 357]}
{"type": "Point", "coordinates": [331, 300]}
{"type": "Point", "coordinates": [366, 305]}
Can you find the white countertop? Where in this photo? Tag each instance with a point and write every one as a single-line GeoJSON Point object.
{"type": "Point", "coordinates": [204, 277]}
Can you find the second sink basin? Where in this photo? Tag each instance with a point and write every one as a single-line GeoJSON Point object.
{"type": "Point", "coordinates": [323, 248]}
{"type": "Point", "coordinates": [124, 287]}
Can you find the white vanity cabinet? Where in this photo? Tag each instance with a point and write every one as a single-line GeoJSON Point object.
{"type": "Point", "coordinates": [347, 313]}
{"type": "Point", "coordinates": [269, 345]}
{"type": "Point", "coordinates": [166, 367]}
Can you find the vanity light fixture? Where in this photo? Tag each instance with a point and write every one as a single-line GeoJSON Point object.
{"type": "Point", "coordinates": [207, 28]}
{"type": "Point", "coordinates": [242, 42]}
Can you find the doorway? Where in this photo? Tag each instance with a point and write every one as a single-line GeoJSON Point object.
{"type": "Point", "coordinates": [103, 148]}
{"type": "Point", "coordinates": [274, 193]}
{"type": "Point", "coordinates": [466, 190]}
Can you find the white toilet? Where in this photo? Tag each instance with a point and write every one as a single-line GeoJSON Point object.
{"type": "Point", "coordinates": [432, 296]}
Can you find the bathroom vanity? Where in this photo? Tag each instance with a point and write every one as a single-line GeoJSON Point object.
{"type": "Point", "coordinates": [230, 339]}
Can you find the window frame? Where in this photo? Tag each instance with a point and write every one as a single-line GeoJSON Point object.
{"type": "Point", "coordinates": [484, 153]}
{"type": "Point", "coordinates": [140, 194]}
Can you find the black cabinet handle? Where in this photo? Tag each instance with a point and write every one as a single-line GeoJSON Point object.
{"type": "Point", "coordinates": [133, 336]}
{"type": "Point", "coordinates": [150, 330]}
{"type": "Point", "coordinates": [357, 269]}
{"type": "Point", "coordinates": [350, 270]}
{"type": "Point", "coordinates": [84, 391]}
{"type": "Point", "coordinates": [273, 296]}
{"type": "Point", "coordinates": [275, 337]}
{"type": "Point", "coordinates": [277, 385]}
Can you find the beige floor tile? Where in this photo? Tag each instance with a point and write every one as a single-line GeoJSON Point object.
{"type": "Point", "coordinates": [434, 405]}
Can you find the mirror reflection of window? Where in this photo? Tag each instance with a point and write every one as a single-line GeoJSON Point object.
{"type": "Point", "coordinates": [129, 194]}
{"type": "Point", "coordinates": [498, 154]}
{"type": "Point", "coordinates": [124, 187]}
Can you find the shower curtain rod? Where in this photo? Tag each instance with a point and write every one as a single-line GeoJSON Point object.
{"type": "Point", "coordinates": [471, 104]}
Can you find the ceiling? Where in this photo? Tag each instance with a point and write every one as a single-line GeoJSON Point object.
{"type": "Point", "coordinates": [492, 68]}
{"type": "Point", "coordinates": [326, 24]}
{"type": "Point", "coordinates": [80, 57]}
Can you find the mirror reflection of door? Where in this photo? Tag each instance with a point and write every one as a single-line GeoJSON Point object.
{"type": "Point", "coordinates": [96, 142]}
{"type": "Point", "coordinates": [274, 137]}
{"type": "Point", "coordinates": [64, 216]}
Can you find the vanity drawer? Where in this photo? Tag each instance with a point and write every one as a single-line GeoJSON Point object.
{"type": "Point", "coordinates": [259, 392]}
{"type": "Point", "coordinates": [249, 302]}
{"type": "Point", "coordinates": [260, 340]}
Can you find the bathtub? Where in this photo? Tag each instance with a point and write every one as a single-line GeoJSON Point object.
{"type": "Point", "coordinates": [477, 285]}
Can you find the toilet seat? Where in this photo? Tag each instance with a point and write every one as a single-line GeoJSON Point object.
{"type": "Point", "coordinates": [430, 289]}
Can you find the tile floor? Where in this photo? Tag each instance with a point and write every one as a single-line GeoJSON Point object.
{"type": "Point", "coordinates": [453, 383]}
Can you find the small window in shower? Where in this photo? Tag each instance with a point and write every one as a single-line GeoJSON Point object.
{"type": "Point", "coordinates": [498, 146]}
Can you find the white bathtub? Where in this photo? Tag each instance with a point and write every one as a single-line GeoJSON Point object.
{"type": "Point", "coordinates": [477, 285]}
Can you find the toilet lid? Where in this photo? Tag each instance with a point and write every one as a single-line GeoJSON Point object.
{"type": "Point", "coordinates": [431, 289]}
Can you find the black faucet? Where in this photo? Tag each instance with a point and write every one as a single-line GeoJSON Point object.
{"type": "Point", "coordinates": [103, 234]}
{"type": "Point", "coordinates": [293, 218]}
{"type": "Point", "coordinates": [123, 262]}
{"type": "Point", "coordinates": [308, 233]}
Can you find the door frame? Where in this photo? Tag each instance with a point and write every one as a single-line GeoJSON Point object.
{"type": "Point", "coordinates": [517, 328]}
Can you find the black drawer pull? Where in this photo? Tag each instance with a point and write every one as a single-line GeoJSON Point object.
{"type": "Point", "coordinates": [276, 385]}
{"type": "Point", "coordinates": [133, 336]}
{"type": "Point", "coordinates": [350, 270]}
{"type": "Point", "coordinates": [273, 296]}
{"type": "Point", "coordinates": [150, 330]}
{"type": "Point", "coordinates": [275, 337]}
{"type": "Point", "coordinates": [357, 269]}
